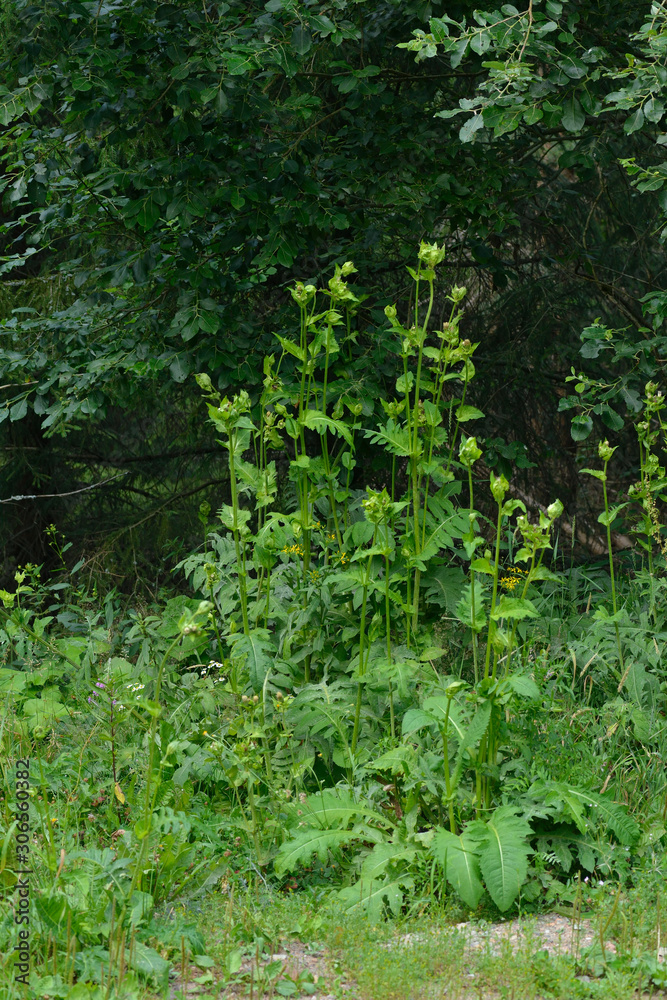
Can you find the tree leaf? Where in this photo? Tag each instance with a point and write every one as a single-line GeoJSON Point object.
{"type": "Point", "coordinates": [467, 132]}
{"type": "Point", "coordinates": [573, 118]}
{"type": "Point", "coordinates": [634, 121]}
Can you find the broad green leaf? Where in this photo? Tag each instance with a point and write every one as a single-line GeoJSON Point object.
{"type": "Point", "coordinates": [375, 864]}
{"type": "Point", "coordinates": [436, 706]}
{"type": "Point", "coordinates": [464, 608]}
{"type": "Point", "coordinates": [302, 41]}
{"type": "Point", "coordinates": [465, 413]}
{"type": "Point", "coordinates": [52, 911]}
{"type": "Point", "coordinates": [12, 680]}
{"type": "Point", "coordinates": [514, 607]}
{"type": "Point", "coordinates": [290, 347]}
{"type": "Point", "coordinates": [416, 719]}
{"type": "Point", "coordinates": [397, 760]}
{"type": "Point", "coordinates": [394, 438]}
{"type": "Point", "coordinates": [609, 518]}
{"type": "Point", "coordinates": [149, 962]}
{"type": "Point", "coordinates": [459, 857]}
{"type": "Point", "coordinates": [443, 586]}
{"type": "Point", "coordinates": [598, 473]}
{"type": "Point", "coordinates": [503, 858]}
{"type": "Point", "coordinates": [581, 427]}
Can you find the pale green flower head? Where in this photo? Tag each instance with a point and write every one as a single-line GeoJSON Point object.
{"type": "Point", "coordinates": [430, 254]}
{"type": "Point", "coordinates": [303, 294]}
{"type": "Point", "coordinates": [555, 509]}
{"type": "Point", "coordinates": [605, 451]}
{"type": "Point", "coordinates": [469, 451]}
{"type": "Point", "coordinates": [499, 487]}
{"type": "Point", "coordinates": [204, 381]}
{"type": "Point", "coordinates": [377, 506]}
{"type": "Point", "coordinates": [453, 688]}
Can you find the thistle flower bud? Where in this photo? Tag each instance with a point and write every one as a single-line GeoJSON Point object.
{"type": "Point", "coordinates": [605, 451]}
{"type": "Point", "coordinates": [499, 487]}
{"type": "Point", "coordinates": [469, 451]}
{"type": "Point", "coordinates": [430, 254]}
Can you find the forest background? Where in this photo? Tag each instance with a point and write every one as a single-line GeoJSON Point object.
{"type": "Point", "coordinates": [184, 186]}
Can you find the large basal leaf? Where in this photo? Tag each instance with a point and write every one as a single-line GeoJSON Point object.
{"type": "Point", "coordinates": [149, 962]}
{"type": "Point", "coordinates": [504, 854]}
{"type": "Point", "coordinates": [375, 864]}
{"type": "Point", "coordinates": [459, 858]}
{"type": "Point", "coordinates": [310, 841]}
{"type": "Point", "coordinates": [334, 808]}
{"type": "Point", "coordinates": [370, 895]}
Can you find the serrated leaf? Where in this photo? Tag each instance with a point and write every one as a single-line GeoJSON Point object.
{"type": "Point", "coordinates": [437, 708]}
{"type": "Point", "coordinates": [375, 864]}
{"type": "Point", "coordinates": [464, 609]}
{"type": "Point", "coordinates": [443, 586]}
{"type": "Point", "coordinates": [608, 518]}
{"type": "Point", "coordinates": [397, 760]}
{"type": "Point", "coordinates": [416, 719]}
{"type": "Point", "coordinates": [318, 421]}
{"type": "Point", "coordinates": [392, 437]}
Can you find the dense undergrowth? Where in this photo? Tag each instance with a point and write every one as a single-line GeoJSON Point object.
{"type": "Point", "coordinates": [381, 698]}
